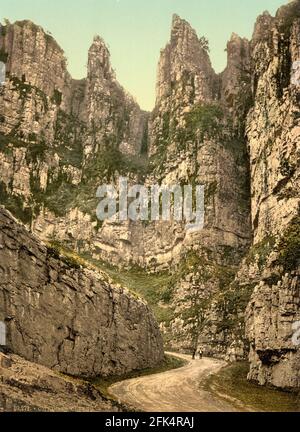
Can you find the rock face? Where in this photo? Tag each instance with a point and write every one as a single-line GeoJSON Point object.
{"type": "Point", "coordinates": [273, 125]}
{"type": "Point", "coordinates": [58, 133]}
{"type": "Point", "coordinates": [68, 318]}
{"type": "Point", "coordinates": [271, 315]}
{"type": "Point", "coordinates": [107, 109]}
{"type": "Point", "coordinates": [185, 77]}
{"type": "Point", "coordinates": [50, 179]}
{"type": "Point", "coordinates": [197, 137]}
{"type": "Point", "coordinates": [273, 131]}
{"type": "Point", "coordinates": [71, 136]}
{"type": "Point", "coordinates": [29, 387]}
{"type": "Point", "coordinates": [237, 133]}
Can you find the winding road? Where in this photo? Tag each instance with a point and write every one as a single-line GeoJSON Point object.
{"type": "Point", "coordinates": [178, 390]}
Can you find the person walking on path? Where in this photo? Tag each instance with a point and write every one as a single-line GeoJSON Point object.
{"type": "Point", "coordinates": [199, 353]}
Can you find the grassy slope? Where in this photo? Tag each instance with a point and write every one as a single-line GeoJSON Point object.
{"type": "Point", "coordinates": [152, 287]}
{"type": "Point", "coordinates": [231, 383]}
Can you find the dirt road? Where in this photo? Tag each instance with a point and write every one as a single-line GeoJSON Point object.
{"type": "Point", "coordinates": [175, 390]}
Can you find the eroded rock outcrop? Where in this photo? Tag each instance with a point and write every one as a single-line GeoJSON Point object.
{"type": "Point", "coordinates": [197, 137]}
{"type": "Point", "coordinates": [271, 317]}
{"type": "Point", "coordinates": [57, 133]}
{"type": "Point", "coordinates": [69, 318]}
{"type": "Point", "coordinates": [29, 387]}
{"type": "Point", "coordinates": [273, 132]}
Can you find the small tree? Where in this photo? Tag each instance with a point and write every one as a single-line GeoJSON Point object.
{"type": "Point", "coordinates": [205, 119]}
{"type": "Point", "coordinates": [204, 43]}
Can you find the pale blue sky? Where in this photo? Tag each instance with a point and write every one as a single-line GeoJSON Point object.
{"type": "Point", "coordinates": [136, 30]}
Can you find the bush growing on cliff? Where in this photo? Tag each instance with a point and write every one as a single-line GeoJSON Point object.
{"type": "Point", "coordinates": [15, 204]}
{"type": "Point", "coordinates": [260, 251]}
{"type": "Point", "coordinates": [3, 56]}
{"type": "Point", "coordinates": [204, 121]}
{"type": "Point", "coordinates": [204, 44]}
{"type": "Point", "coordinates": [289, 246]}
{"type": "Point", "coordinates": [57, 250]}
{"type": "Point", "coordinates": [57, 97]}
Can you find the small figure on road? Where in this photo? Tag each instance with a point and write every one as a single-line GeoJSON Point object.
{"type": "Point", "coordinates": [194, 354]}
{"type": "Point", "coordinates": [200, 353]}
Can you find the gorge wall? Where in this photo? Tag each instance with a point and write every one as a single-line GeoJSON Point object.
{"type": "Point", "coordinates": [230, 288]}
{"type": "Point", "coordinates": [67, 317]}
{"type": "Point", "coordinates": [273, 132]}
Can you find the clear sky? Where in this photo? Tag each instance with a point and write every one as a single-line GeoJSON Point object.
{"type": "Point", "coordinates": [136, 30]}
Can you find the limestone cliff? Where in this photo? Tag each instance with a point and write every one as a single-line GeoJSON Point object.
{"type": "Point", "coordinates": [273, 132]}
{"type": "Point", "coordinates": [197, 137]}
{"type": "Point", "coordinates": [269, 275]}
{"type": "Point", "coordinates": [236, 132]}
{"type": "Point", "coordinates": [51, 124]}
{"type": "Point", "coordinates": [66, 317]}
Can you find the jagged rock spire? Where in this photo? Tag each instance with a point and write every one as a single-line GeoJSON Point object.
{"type": "Point", "coordinates": [99, 60]}
{"type": "Point", "coordinates": [182, 29]}
{"type": "Point", "coordinates": [184, 55]}
{"type": "Point", "coordinates": [262, 28]}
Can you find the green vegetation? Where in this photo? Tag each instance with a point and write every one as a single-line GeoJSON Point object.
{"type": "Point", "coordinates": [3, 56]}
{"type": "Point", "coordinates": [231, 384]}
{"type": "Point", "coordinates": [35, 150]}
{"type": "Point", "coordinates": [158, 160]}
{"type": "Point", "coordinates": [289, 246]}
{"type": "Point", "coordinates": [15, 205]}
{"type": "Point", "coordinates": [232, 302]}
{"type": "Point", "coordinates": [211, 190]}
{"type": "Point", "coordinates": [272, 280]}
{"type": "Point", "coordinates": [229, 253]}
{"type": "Point", "coordinates": [57, 97]}
{"type": "Point", "coordinates": [69, 257]}
{"type": "Point", "coordinates": [110, 162]}
{"type": "Point", "coordinates": [288, 14]}
{"type": "Point", "coordinates": [3, 29]}
{"type": "Point", "coordinates": [144, 146]}
{"type": "Point", "coordinates": [261, 251]}
{"type": "Point", "coordinates": [287, 169]}
{"type": "Point", "coordinates": [204, 121]}
{"type": "Point", "coordinates": [67, 141]}
{"type": "Point", "coordinates": [204, 43]}
{"type": "Point", "coordinates": [286, 17]}
{"type": "Point", "coordinates": [104, 167]}
{"type": "Point", "coordinates": [196, 303]}
{"type": "Point", "coordinates": [60, 194]}
{"type": "Point", "coordinates": [26, 89]}
{"type": "Point", "coordinates": [156, 289]}
{"type": "Point", "coordinates": [4, 142]}
{"type": "Point", "coordinates": [169, 363]}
